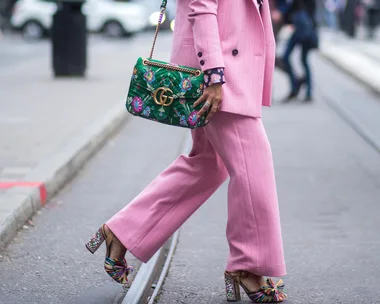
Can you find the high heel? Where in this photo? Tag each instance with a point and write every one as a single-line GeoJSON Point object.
{"type": "Point", "coordinates": [96, 241]}
{"type": "Point", "coordinates": [232, 288]}
{"type": "Point", "coordinates": [269, 293]}
{"type": "Point", "coordinates": [117, 268]}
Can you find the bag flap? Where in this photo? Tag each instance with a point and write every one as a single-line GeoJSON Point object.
{"type": "Point", "coordinates": [182, 84]}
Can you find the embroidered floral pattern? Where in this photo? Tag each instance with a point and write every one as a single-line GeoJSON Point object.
{"type": "Point", "coordinates": [193, 118]}
{"type": "Point", "coordinates": [182, 120]}
{"type": "Point", "coordinates": [134, 75]}
{"type": "Point", "coordinates": [137, 104]}
{"type": "Point", "coordinates": [146, 112]}
{"type": "Point", "coordinates": [214, 76]}
{"type": "Point", "coordinates": [149, 76]}
{"type": "Point", "coordinates": [167, 82]}
{"type": "Point", "coordinates": [185, 84]}
{"type": "Point", "coordinates": [161, 114]}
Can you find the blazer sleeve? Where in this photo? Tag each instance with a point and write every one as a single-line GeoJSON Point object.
{"type": "Point", "coordinates": [203, 17]}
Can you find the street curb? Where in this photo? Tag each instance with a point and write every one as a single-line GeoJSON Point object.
{"type": "Point", "coordinates": [142, 283]}
{"type": "Point", "coordinates": [357, 66]}
{"type": "Point", "coordinates": [17, 205]}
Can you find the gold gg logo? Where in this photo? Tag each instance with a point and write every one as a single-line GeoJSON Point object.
{"type": "Point", "coordinates": [161, 97]}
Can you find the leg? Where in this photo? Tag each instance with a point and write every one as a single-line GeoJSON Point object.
{"type": "Point", "coordinates": [292, 42]}
{"type": "Point", "coordinates": [373, 20]}
{"type": "Point", "coordinates": [162, 207]}
{"type": "Point", "coordinates": [253, 229]}
{"type": "Point", "coordinates": [277, 26]}
{"type": "Point", "coordinates": [305, 63]}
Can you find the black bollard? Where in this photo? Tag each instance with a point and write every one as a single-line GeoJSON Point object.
{"type": "Point", "coordinates": [69, 40]}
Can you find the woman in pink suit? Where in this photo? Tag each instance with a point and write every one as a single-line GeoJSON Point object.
{"type": "Point", "coordinates": [233, 43]}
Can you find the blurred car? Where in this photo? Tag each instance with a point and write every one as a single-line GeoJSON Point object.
{"type": "Point", "coordinates": [114, 18]}
{"type": "Point", "coordinates": [153, 10]}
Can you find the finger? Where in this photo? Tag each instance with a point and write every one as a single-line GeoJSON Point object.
{"type": "Point", "coordinates": [204, 109]}
{"type": "Point", "coordinates": [200, 100]}
{"type": "Point", "coordinates": [213, 110]}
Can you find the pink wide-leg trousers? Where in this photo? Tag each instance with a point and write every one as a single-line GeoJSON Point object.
{"type": "Point", "coordinates": [230, 145]}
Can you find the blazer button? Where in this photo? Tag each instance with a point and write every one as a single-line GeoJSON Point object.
{"type": "Point", "coordinates": [200, 54]}
{"type": "Point", "coordinates": [235, 52]}
{"type": "Point", "coordinates": [202, 62]}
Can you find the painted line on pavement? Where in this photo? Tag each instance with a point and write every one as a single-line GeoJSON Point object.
{"type": "Point", "coordinates": [173, 246]}
{"type": "Point", "coordinates": [39, 185]}
{"type": "Point", "coordinates": [144, 275]}
{"type": "Point", "coordinates": [165, 270]}
{"type": "Point", "coordinates": [350, 119]}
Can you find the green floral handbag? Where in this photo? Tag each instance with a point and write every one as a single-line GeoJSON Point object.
{"type": "Point", "coordinates": [165, 92]}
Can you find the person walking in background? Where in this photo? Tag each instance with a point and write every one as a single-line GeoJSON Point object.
{"type": "Point", "coordinates": [234, 45]}
{"type": "Point", "coordinates": [331, 14]}
{"type": "Point", "coordinates": [373, 16]}
{"type": "Point", "coordinates": [279, 10]}
{"type": "Point", "coordinates": [301, 15]}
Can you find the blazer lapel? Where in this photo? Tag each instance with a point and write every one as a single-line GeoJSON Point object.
{"type": "Point", "coordinates": [259, 13]}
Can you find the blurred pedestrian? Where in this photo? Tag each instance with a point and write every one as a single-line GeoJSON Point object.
{"type": "Point", "coordinates": [331, 7]}
{"type": "Point", "coordinates": [278, 13]}
{"type": "Point", "coordinates": [235, 47]}
{"type": "Point", "coordinates": [301, 14]}
{"type": "Point", "coordinates": [349, 17]}
{"type": "Point", "coordinates": [373, 16]}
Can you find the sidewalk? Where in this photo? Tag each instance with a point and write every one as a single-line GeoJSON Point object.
{"type": "Point", "coordinates": [358, 57]}
{"type": "Point", "coordinates": [49, 127]}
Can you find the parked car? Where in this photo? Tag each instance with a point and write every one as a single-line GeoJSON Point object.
{"type": "Point", "coordinates": [114, 18]}
{"type": "Point", "coordinates": [153, 10]}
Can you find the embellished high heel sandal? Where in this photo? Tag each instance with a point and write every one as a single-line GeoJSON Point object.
{"type": "Point", "coordinates": [269, 293]}
{"type": "Point", "coordinates": [116, 268]}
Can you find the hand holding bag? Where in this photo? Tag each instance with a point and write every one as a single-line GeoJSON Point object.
{"type": "Point", "coordinates": [165, 92]}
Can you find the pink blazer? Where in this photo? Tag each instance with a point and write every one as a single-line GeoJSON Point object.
{"type": "Point", "coordinates": [230, 34]}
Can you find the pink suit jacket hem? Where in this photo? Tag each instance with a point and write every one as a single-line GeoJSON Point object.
{"type": "Point", "coordinates": [238, 37]}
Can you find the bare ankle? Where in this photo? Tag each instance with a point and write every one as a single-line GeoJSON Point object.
{"type": "Point", "coordinates": [117, 249]}
{"type": "Point", "coordinates": [252, 281]}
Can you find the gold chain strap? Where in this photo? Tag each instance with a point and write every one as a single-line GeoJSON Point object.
{"type": "Point", "coordinates": [172, 67]}
{"type": "Point", "coordinates": [162, 65]}
{"type": "Point", "coordinates": [157, 29]}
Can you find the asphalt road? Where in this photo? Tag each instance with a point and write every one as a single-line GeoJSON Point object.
{"type": "Point", "coordinates": [328, 181]}
{"type": "Point", "coordinates": [48, 263]}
